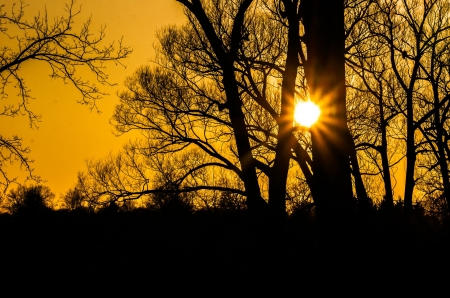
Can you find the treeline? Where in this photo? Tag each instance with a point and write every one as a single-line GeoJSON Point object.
{"type": "Point", "coordinates": [39, 199]}
{"type": "Point", "coordinates": [118, 248]}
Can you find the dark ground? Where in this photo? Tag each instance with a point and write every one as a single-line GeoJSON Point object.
{"type": "Point", "coordinates": [217, 252]}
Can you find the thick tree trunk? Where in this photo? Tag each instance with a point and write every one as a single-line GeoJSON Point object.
{"type": "Point", "coordinates": [325, 71]}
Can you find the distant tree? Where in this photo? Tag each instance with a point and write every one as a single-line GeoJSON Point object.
{"type": "Point", "coordinates": [434, 125]}
{"type": "Point", "coordinates": [373, 111]}
{"type": "Point", "coordinates": [74, 198]}
{"type": "Point", "coordinates": [404, 74]}
{"type": "Point", "coordinates": [28, 200]}
{"type": "Point", "coordinates": [65, 51]}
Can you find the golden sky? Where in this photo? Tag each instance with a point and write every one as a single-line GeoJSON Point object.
{"type": "Point", "coordinates": [69, 133]}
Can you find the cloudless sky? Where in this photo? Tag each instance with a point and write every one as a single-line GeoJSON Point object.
{"type": "Point", "coordinates": [70, 133]}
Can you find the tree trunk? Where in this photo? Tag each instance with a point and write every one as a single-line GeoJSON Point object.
{"type": "Point", "coordinates": [278, 178]}
{"type": "Point", "coordinates": [364, 201]}
{"type": "Point", "coordinates": [444, 167]}
{"type": "Point", "coordinates": [410, 154]}
{"type": "Point", "coordinates": [388, 198]}
{"type": "Point", "coordinates": [249, 177]}
{"type": "Point", "coordinates": [440, 136]}
{"type": "Point", "coordinates": [325, 73]}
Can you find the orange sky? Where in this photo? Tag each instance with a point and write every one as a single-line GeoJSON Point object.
{"type": "Point", "coordinates": [69, 133]}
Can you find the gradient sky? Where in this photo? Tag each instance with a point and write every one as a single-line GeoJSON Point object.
{"type": "Point", "coordinates": [69, 133]}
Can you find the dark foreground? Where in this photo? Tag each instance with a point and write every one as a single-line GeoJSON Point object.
{"type": "Point", "coordinates": [155, 253]}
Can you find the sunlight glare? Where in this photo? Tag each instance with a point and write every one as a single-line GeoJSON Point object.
{"type": "Point", "coordinates": [306, 113]}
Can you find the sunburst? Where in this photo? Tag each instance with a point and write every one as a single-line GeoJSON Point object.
{"type": "Point", "coordinates": [306, 113]}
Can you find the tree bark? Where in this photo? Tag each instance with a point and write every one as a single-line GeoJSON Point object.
{"type": "Point", "coordinates": [278, 179]}
{"type": "Point", "coordinates": [325, 73]}
{"type": "Point", "coordinates": [440, 137]}
{"type": "Point", "coordinates": [388, 198]}
{"type": "Point", "coordinates": [249, 177]}
{"type": "Point", "coordinates": [411, 154]}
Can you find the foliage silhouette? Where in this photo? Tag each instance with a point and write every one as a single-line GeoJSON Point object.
{"type": "Point", "coordinates": [31, 199]}
{"type": "Point", "coordinates": [88, 251]}
{"type": "Point", "coordinates": [74, 198]}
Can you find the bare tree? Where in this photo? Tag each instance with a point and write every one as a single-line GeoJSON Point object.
{"type": "Point", "coordinates": [412, 34]}
{"type": "Point", "coordinates": [54, 43]}
{"type": "Point", "coordinates": [372, 97]}
{"type": "Point", "coordinates": [434, 124]}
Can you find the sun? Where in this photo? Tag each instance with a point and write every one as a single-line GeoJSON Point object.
{"type": "Point", "coordinates": [306, 113]}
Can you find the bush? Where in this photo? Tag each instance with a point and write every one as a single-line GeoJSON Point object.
{"type": "Point", "coordinates": [170, 202]}
{"type": "Point", "coordinates": [74, 198]}
{"type": "Point", "coordinates": [28, 199]}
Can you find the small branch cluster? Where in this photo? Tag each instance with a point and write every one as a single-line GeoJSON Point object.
{"type": "Point", "coordinates": [59, 46]}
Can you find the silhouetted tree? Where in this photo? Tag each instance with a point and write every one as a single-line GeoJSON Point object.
{"type": "Point", "coordinates": [226, 85]}
{"type": "Point", "coordinates": [125, 177]}
{"type": "Point", "coordinates": [199, 71]}
{"type": "Point", "coordinates": [325, 73]}
{"type": "Point", "coordinates": [373, 111]}
{"type": "Point", "coordinates": [408, 78]}
{"type": "Point", "coordinates": [31, 199]}
{"type": "Point", "coordinates": [56, 44]}
{"type": "Point", "coordinates": [434, 124]}
{"type": "Point", "coordinates": [74, 198]}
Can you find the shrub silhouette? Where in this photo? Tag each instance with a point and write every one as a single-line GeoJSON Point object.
{"type": "Point", "coordinates": [170, 201]}
{"type": "Point", "coordinates": [73, 199]}
{"type": "Point", "coordinates": [28, 200]}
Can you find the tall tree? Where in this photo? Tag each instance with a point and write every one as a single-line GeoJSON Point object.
{"type": "Point", "coordinates": [374, 112]}
{"type": "Point", "coordinates": [226, 56]}
{"type": "Point", "coordinates": [434, 124]}
{"type": "Point", "coordinates": [285, 140]}
{"type": "Point", "coordinates": [325, 72]}
{"type": "Point", "coordinates": [412, 33]}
